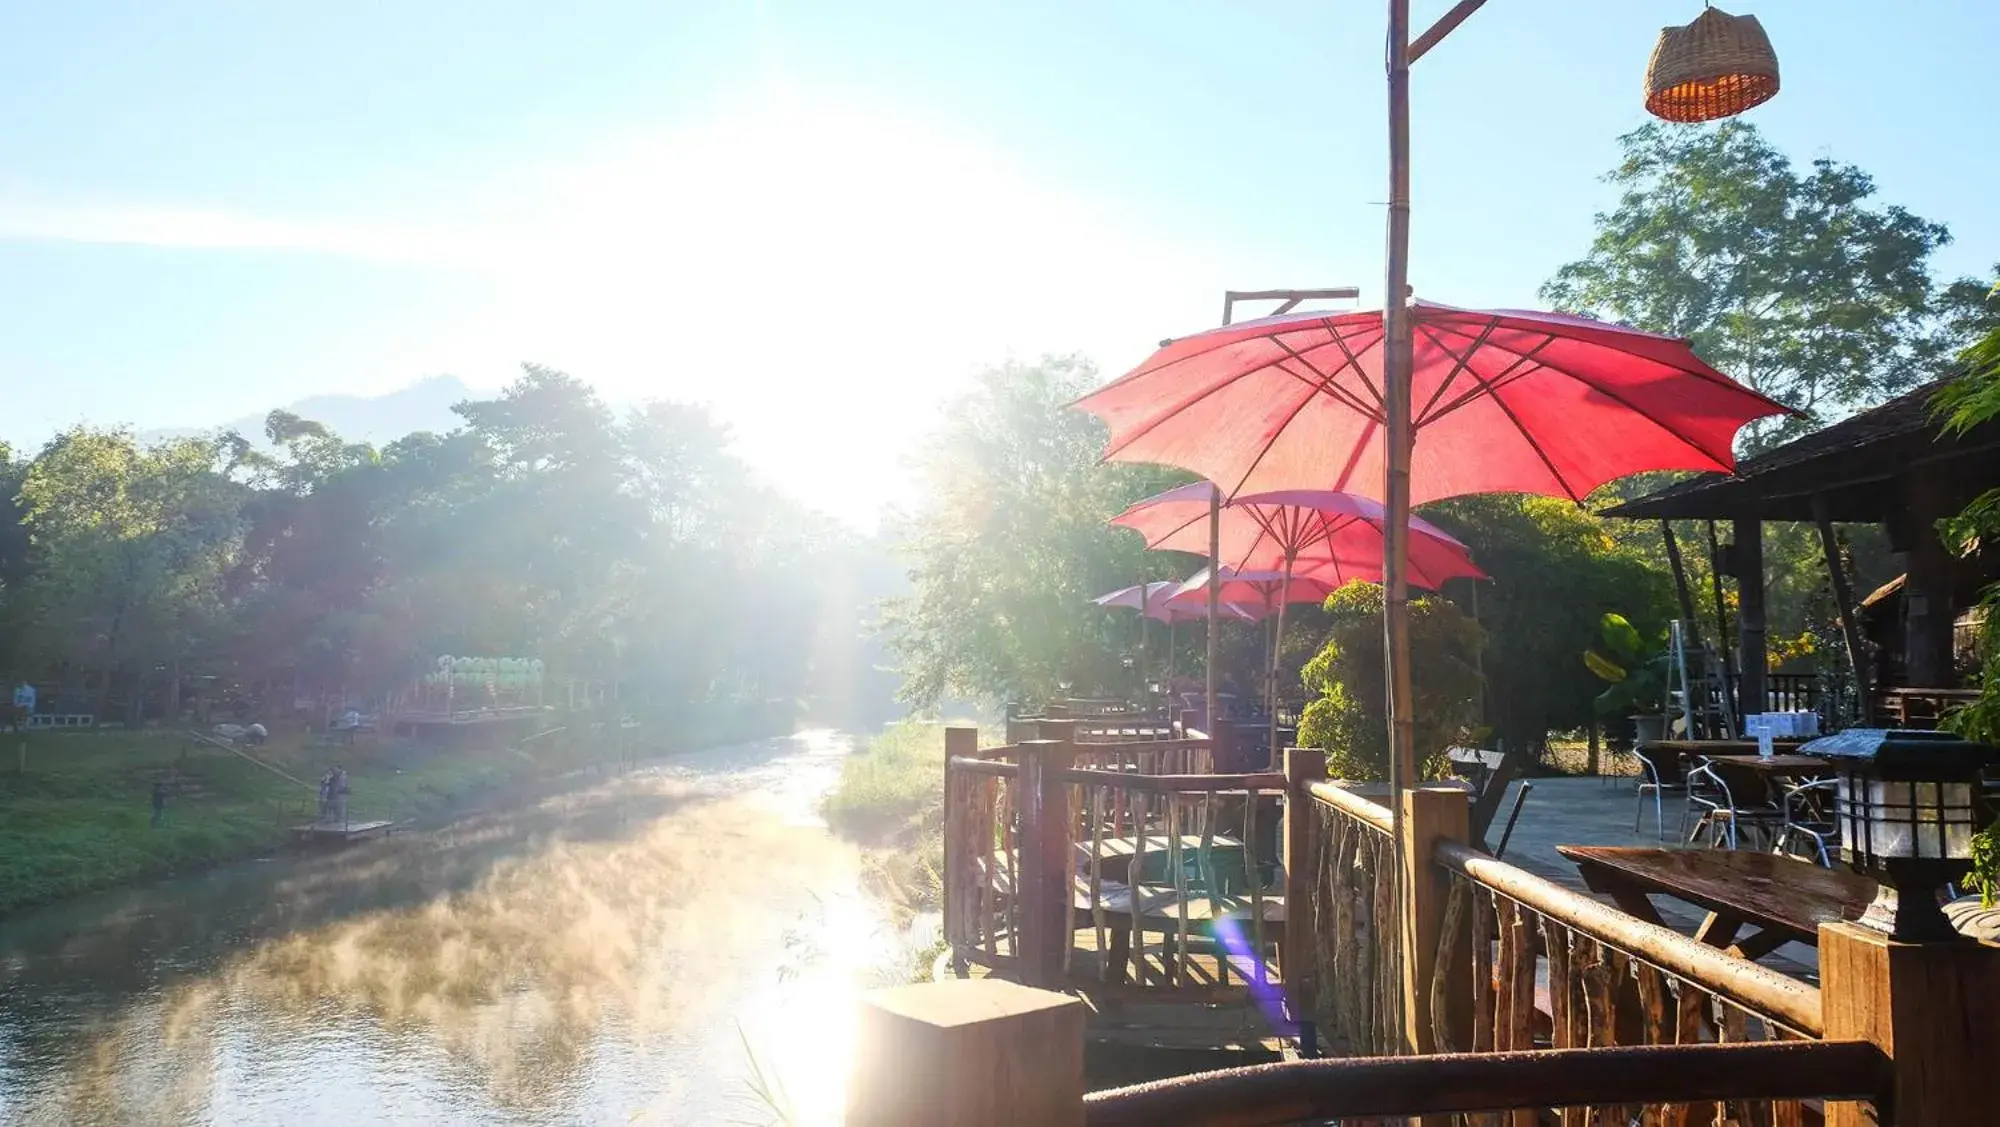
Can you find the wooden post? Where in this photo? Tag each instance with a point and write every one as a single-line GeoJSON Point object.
{"type": "Point", "coordinates": [959, 910]}
{"type": "Point", "coordinates": [1929, 1008]}
{"type": "Point", "coordinates": [1726, 651]}
{"type": "Point", "coordinates": [1431, 814]}
{"type": "Point", "coordinates": [1927, 598]}
{"type": "Point", "coordinates": [1303, 767]}
{"type": "Point", "coordinates": [1752, 655]}
{"type": "Point", "coordinates": [1843, 597]}
{"type": "Point", "coordinates": [979, 1053]}
{"type": "Point", "coordinates": [1045, 851]}
{"type": "Point", "coordinates": [1396, 413]}
{"type": "Point", "coordinates": [1681, 591]}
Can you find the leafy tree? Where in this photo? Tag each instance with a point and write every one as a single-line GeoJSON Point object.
{"type": "Point", "coordinates": [1791, 280]}
{"type": "Point", "coordinates": [1012, 544]}
{"type": "Point", "coordinates": [1346, 713]}
{"type": "Point", "coordinates": [1556, 572]}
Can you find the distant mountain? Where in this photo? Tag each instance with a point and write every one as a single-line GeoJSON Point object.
{"type": "Point", "coordinates": [424, 405]}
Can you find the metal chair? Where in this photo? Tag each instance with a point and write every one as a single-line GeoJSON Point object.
{"type": "Point", "coordinates": [1807, 819]}
{"type": "Point", "coordinates": [1661, 773]}
{"type": "Point", "coordinates": [1722, 816]}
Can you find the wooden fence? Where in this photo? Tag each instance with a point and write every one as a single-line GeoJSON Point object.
{"type": "Point", "coordinates": [1507, 998]}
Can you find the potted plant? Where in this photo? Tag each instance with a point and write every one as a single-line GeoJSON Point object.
{"type": "Point", "coordinates": [1637, 674]}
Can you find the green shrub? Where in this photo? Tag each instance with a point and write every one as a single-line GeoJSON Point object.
{"type": "Point", "coordinates": [1347, 713]}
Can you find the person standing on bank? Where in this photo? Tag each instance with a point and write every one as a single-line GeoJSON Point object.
{"type": "Point", "coordinates": [159, 801]}
{"type": "Point", "coordinates": [24, 706]}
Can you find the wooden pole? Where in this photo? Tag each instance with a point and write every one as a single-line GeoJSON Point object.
{"type": "Point", "coordinates": [1928, 1007]}
{"type": "Point", "coordinates": [1210, 718]}
{"type": "Point", "coordinates": [982, 1052]}
{"type": "Point", "coordinates": [1396, 392]}
{"type": "Point", "coordinates": [1751, 697]}
{"type": "Point", "coordinates": [1298, 956]}
{"type": "Point", "coordinates": [1680, 575]}
{"type": "Point", "coordinates": [1721, 616]}
{"type": "Point", "coordinates": [1271, 681]}
{"type": "Point", "coordinates": [1430, 815]}
{"type": "Point", "coordinates": [1843, 597]}
{"type": "Point", "coordinates": [1044, 886]}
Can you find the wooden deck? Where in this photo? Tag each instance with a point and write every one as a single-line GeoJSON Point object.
{"type": "Point", "coordinates": [338, 833]}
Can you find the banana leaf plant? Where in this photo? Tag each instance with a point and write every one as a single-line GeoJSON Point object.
{"type": "Point", "coordinates": [1634, 667]}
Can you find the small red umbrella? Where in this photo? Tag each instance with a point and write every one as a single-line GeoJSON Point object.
{"type": "Point", "coordinates": [1156, 600]}
{"type": "Point", "coordinates": [1335, 535]}
{"type": "Point", "coordinates": [1501, 402]}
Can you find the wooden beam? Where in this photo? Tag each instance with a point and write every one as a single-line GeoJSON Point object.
{"type": "Point", "coordinates": [1354, 1088]}
{"type": "Point", "coordinates": [1445, 25]}
{"type": "Point", "coordinates": [1843, 597]}
{"type": "Point", "coordinates": [1431, 814]}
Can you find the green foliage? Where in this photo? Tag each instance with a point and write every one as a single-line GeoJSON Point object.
{"type": "Point", "coordinates": [1557, 571]}
{"type": "Point", "coordinates": [636, 550]}
{"type": "Point", "coordinates": [1788, 279]}
{"type": "Point", "coordinates": [1012, 543]}
{"type": "Point", "coordinates": [1971, 400]}
{"type": "Point", "coordinates": [891, 797]}
{"type": "Point", "coordinates": [1345, 713]}
{"type": "Point", "coordinates": [1635, 667]}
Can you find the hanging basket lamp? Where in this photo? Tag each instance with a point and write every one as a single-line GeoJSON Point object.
{"type": "Point", "coordinates": [1716, 67]}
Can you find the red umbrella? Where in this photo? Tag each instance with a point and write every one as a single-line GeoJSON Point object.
{"type": "Point", "coordinates": [1156, 600]}
{"type": "Point", "coordinates": [1335, 535]}
{"type": "Point", "coordinates": [1501, 402]}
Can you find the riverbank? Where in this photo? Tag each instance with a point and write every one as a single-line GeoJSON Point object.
{"type": "Point", "coordinates": [890, 801]}
{"type": "Point", "coordinates": [79, 818]}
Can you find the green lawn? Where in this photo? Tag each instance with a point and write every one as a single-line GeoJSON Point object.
{"type": "Point", "coordinates": [80, 817]}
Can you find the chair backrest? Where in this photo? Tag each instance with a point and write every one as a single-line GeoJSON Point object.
{"type": "Point", "coordinates": [1663, 768]}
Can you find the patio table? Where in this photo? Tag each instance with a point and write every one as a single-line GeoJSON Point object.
{"type": "Point", "coordinates": [1718, 747]}
{"type": "Point", "coordinates": [1784, 898]}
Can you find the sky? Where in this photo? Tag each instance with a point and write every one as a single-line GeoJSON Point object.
{"type": "Point", "coordinates": [818, 217]}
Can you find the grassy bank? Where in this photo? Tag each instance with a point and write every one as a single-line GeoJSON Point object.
{"type": "Point", "coordinates": [890, 799]}
{"type": "Point", "coordinates": [79, 818]}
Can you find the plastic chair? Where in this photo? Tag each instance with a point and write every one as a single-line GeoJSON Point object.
{"type": "Point", "coordinates": [1805, 811]}
{"type": "Point", "coordinates": [1661, 773]}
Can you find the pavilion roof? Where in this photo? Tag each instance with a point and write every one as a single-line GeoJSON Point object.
{"type": "Point", "coordinates": [1854, 463]}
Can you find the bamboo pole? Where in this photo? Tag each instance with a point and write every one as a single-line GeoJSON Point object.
{"type": "Point", "coordinates": [1214, 598]}
{"type": "Point", "coordinates": [1396, 392]}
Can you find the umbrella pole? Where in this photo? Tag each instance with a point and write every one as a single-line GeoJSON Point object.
{"type": "Point", "coordinates": [1139, 665]}
{"type": "Point", "coordinates": [1210, 719]}
{"type": "Point", "coordinates": [1271, 680]}
{"type": "Point", "coordinates": [1396, 372]}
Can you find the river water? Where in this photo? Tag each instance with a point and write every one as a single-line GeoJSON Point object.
{"type": "Point", "coordinates": [658, 947]}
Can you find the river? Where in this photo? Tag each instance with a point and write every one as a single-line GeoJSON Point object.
{"type": "Point", "coordinates": [657, 947]}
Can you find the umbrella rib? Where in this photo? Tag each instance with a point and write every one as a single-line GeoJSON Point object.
{"type": "Point", "coordinates": [1323, 383]}
{"type": "Point", "coordinates": [1544, 365]}
{"type": "Point", "coordinates": [1458, 367]}
{"type": "Point", "coordinates": [1515, 419]}
{"type": "Point", "coordinates": [1519, 369]}
{"type": "Point", "coordinates": [1354, 362]}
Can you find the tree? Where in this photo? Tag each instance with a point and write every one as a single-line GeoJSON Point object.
{"type": "Point", "coordinates": [1791, 281]}
{"type": "Point", "coordinates": [1345, 713]}
{"type": "Point", "coordinates": [1556, 572]}
{"type": "Point", "coordinates": [1012, 544]}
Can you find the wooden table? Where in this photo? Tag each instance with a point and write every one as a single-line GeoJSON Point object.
{"type": "Point", "coordinates": [1786, 899]}
{"type": "Point", "coordinates": [1718, 747]}
{"type": "Point", "coordinates": [1778, 766]}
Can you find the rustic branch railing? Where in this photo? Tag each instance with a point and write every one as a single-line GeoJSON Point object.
{"type": "Point", "coordinates": [1100, 839]}
{"type": "Point", "coordinates": [1482, 1085]}
{"type": "Point", "coordinates": [1610, 979]}
{"type": "Point", "coordinates": [1343, 888]}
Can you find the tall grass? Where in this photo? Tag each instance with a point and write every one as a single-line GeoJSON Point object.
{"type": "Point", "coordinates": [890, 797]}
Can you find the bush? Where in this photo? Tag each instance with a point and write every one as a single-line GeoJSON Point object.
{"type": "Point", "coordinates": [1348, 715]}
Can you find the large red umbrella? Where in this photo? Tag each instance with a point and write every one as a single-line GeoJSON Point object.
{"type": "Point", "coordinates": [1494, 402]}
{"type": "Point", "coordinates": [1334, 535]}
{"type": "Point", "coordinates": [1501, 402]}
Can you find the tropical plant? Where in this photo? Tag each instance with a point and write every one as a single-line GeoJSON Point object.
{"type": "Point", "coordinates": [1635, 667]}
{"type": "Point", "coordinates": [1346, 714]}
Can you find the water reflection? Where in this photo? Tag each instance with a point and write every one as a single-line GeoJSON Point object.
{"type": "Point", "coordinates": [600, 954]}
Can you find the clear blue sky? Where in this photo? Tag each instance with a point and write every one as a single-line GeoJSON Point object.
{"type": "Point", "coordinates": [820, 216]}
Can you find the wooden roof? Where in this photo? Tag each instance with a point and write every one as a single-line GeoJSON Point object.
{"type": "Point", "coordinates": [1854, 463]}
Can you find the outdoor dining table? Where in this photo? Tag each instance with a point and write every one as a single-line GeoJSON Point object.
{"type": "Point", "coordinates": [1784, 898]}
{"type": "Point", "coordinates": [1778, 766]}
{"type": "Point", "coordinates": [1717, 747]}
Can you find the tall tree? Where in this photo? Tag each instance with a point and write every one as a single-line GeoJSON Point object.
{"type": "Point", "coordinates": [1012, 543]}
{"type": "Point", "coordinates": [1794, 281]}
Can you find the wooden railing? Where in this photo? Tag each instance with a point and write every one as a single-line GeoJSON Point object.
{"type": "Point", "coordinates": [1791, 692]}
{"type": "Point", "coordinates": [1343, 890]}
{"type": "Point", "coordinates": [1550, 967]}
{"type": "Point", "coordinates": [1457, 985]}
{"type": "Point", "coordinates": [1050, 838]}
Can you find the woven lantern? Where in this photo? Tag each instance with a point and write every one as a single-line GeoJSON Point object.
{"type": "Point", "coordinates": [1716, 67]}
